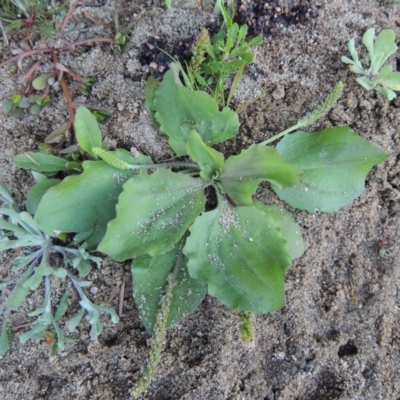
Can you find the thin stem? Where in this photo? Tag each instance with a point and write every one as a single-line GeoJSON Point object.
{"type": "Point", "coordinates": [67, 94]}
{"type": "Point", "coordinates": [76, 285]}
{"type": "Point", "coordinates": [313, 116]}
{"type": "Point", "coordinates": [60, 249]}
{"type": "Point", "coordinates": [283, 133]}
{"type": "Point", "coordinates": [221, 199]}
{"type": "Point", "coordinates": [176, 164]}
{"type": "Point", "coordinates": [160, 330]}
{"type": "Point", "coordinates": [67, 47]}
{"type": "Point", "coordinates": [235, 83]}
{"type": "Point", "coordinates": [72, 8]}
{"type": "Point", "coordinates": [67, 18]}
{"type": "Point", "coordinates": [246, 326]}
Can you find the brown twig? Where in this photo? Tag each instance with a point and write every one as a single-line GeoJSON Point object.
{"type": "Point", "coordinates": [67, 94]}
{"type": "Point", "coordinates": [17, 328]}
{"type": "Point", "coordinates": [29, 75]}
{"type": "Point", "coordinates": [71, 46]}
{"type": "Point", "coordinates": [72, 8]}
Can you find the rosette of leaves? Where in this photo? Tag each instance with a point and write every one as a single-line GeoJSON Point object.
{"type": "Point", "coordinates": [239, 250]}
{"type": "Point", "coordinates": [183, 245]}
{"type": "Point", "coordinates": [376, 76]}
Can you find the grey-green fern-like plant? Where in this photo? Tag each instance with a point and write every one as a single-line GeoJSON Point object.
{"type": "Point", "coordinates": [39, 260]}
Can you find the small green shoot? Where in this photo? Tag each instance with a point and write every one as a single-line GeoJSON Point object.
{"type": "Point", "coordinates": [376, 76]}
{"type": "Point", "coordinates": [226, 53]}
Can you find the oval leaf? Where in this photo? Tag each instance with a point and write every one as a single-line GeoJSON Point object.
{"type": "Point", "coordinates": [180, 111]}
{"type": "Point", "coordinates": [83, 202]}
{"type": "Point", "coordinates": [242, 173]}
{"type": "Point", "coordinates": [210, 161]}
{"type": "Point", "coordinates": [290, 229]}
{"type": "Point", "coordinates": [335, 162]}
{"type": "Point", "coordinates": [40, 162]}
{"type": "Point", "coordinates": [242, 256]}
{"type": "Point", "coordinates": [87, 130]}
{"type": "Point", "coordinates": [40, 82]}
{"type": "Point", "coordinates": [36, 193]}
{"type": "Point", "coordinates": [151, 278]}
{"type": "Point", "coordinates": [153, 213]}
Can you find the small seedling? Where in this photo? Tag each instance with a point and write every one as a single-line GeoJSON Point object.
{"type": "Point", "coordinates": [376, 76]}
{"type": "Point", "coordinates": [226, 53]}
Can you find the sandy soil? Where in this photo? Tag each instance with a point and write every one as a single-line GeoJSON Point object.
{"type": "Point", "coordinates": [338, 337]}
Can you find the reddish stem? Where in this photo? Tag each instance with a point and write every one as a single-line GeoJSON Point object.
{"type": "Point", "coordinates": [67, 94]}
{"type": "Point", "coordinates": [72, 46]}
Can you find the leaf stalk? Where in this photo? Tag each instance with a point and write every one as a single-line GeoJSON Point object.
{"type": "Point", "coordinates": [313, 116]}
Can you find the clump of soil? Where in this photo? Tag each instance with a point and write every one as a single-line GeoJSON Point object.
{"type": "Point", "coordinates": [156, 53]}
{"type": "Point", "coordinates": [264, 17]}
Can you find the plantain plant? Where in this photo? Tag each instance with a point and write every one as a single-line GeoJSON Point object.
{"type": "Point", "coordinates": [164, 216]}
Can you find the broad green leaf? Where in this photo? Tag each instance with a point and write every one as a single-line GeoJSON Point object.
{"type": "Point", "coordinates": [16, 112]}
{"type": "Point", "coordinates": [36, 192]}
{"type": "Point", "coordinates": [83, 202]}
{"type": "Point", "coordinates": [24, 103]}
{"type": "Point", "coordinates": [180, 111]}
{"type": "Point", "coordinates": [210, 161]}
{"type": "Point", "coordinates": [290, 229]}
{"type": "Point", "coordinates": [384, 47]}
{"type": "Point", "coordinates": [35, 109]}
{"type": "Point", "coordinates": [149, 93]}
{"type": "Point", "coordinates": [153, 213]}
{"type": "Point", "coordinates": [150, 275]}
{"type": "Point", "coordinates": [241, 254]}
{"type": "Point", "coordinates": [87, 130]}
{"type": "Point", "coordinates": [335, 162]}
{"type": "Point", "coordinates": [40, 162]}
{"type": "Point", "coordinates": [241, 174]}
